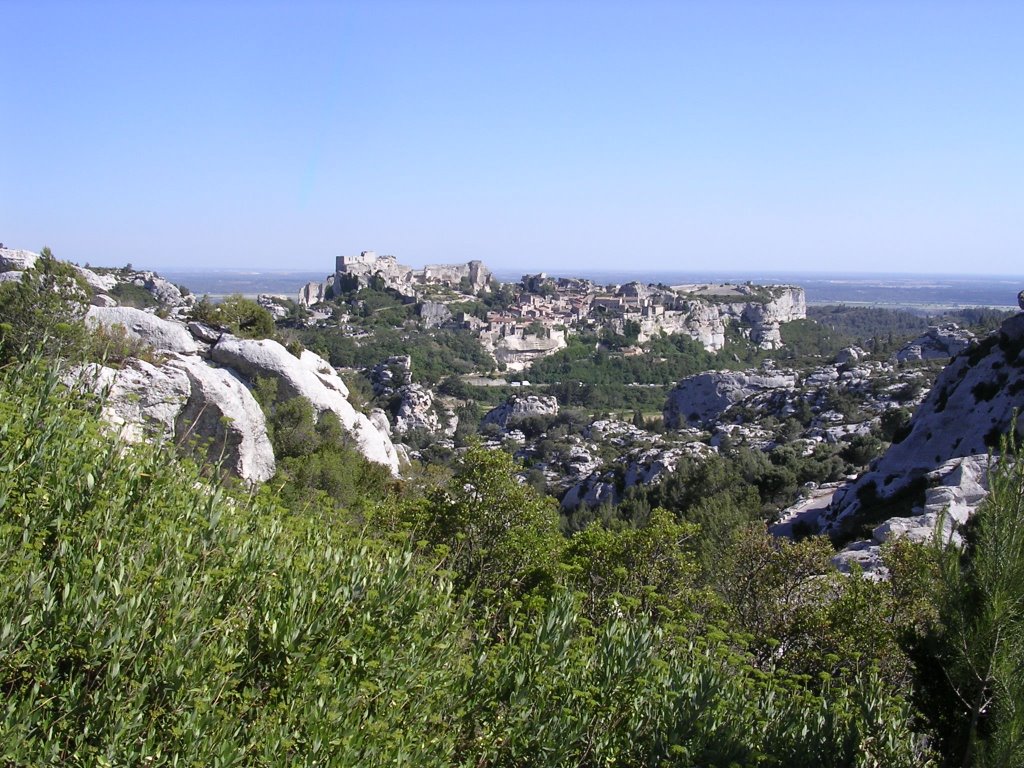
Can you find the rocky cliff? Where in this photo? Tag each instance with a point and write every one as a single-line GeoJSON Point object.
{"type": "Point", "coordinates": [973, 403]}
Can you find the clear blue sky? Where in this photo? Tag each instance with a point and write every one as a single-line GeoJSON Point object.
{"type": "Point", "coordinates": [874, 135]}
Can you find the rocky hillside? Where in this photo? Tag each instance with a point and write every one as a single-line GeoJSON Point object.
{"type": "Point", "coordinates": [186, 381]}
{"type": "Point", "coordinates": [937, 466]}
{"type": "Point", "coordinates": [206, 373]}
{"type": "Point", "coordinates": [974, 401]}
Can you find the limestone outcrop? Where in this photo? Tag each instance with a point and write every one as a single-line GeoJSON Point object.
{"type": "Point", "coordinates": [16, 260]}
{"type": "Point", "coordinates": [266, 358]}
{"type": "Point", "coordinates": [952, 495]}
{"type": "Point", "coordinates": [700, 400]}
{"type": "Point", "coordinates": [516, 349]}
{"type": "Point", "coordinates": [939, 342]}
{"type": "Point", "coordinates": [973, 403]}
{"type": "Point", "coordinates": [517, 408]}
{"type": "Point", "coordinates": [186, 400]}
{"type": "Point", "coordinates": [310, 294]}
{"type": "Point", "coordinates": [416, 411]}
{"type": "Point", "coordinates": [390, 374]}
{"type": "Point", "coordinates": [162, 335]}
{"type": "Point", "coordinates": [434, 314]}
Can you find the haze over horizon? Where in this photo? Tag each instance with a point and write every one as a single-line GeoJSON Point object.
{"type": "Point", "coordinates": [792, 136]}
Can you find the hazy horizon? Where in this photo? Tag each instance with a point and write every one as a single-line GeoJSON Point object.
{"type": "Point", "coordinates": [557, 136]}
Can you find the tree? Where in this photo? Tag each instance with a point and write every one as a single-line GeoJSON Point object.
{"type": "Point", "coordinates": [975, 682]}
{"type": "Point", "coordinates": [494, 532]}
{"type": "Point", "coordinates": [242, 316]}
{"type": "Point", "coordinates": [648, 571]}
{"type": "Point", "coordinates": [45, 307]}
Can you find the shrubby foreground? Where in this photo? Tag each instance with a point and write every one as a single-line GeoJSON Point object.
{"type": "Point", "coordinates": [153, 616]}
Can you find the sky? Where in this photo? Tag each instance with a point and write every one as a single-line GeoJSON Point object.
{"type": "Point", "coordinates": [875, 135]}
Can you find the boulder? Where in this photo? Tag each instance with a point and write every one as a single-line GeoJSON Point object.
{"type": "Point", "coordinates": [164, 291]}
{"type": "Point", "coordinates": [100, 283]}
{"type": "Point", "coordinates": [186, 399]}
{"type": "Point", "coordinates": [252, 358]}
{"type": "Point", "coordinates": [939, 342]}
{"type": "Point", "coordinates": [10, 277]}
{"type": "Point", "coordinates": [12, 260]}
{"type": "Point", "coordinates": [161, 335]}
{"type": "Point", "coordinates": [222, 412]}
{"type": "Point", "coordinates": [517, 408]}
{"type": "Point", "coordinates": [701, 400]}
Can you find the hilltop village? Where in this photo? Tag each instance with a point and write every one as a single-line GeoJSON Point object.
{"type": "Point", "coordinates": [535, 316]}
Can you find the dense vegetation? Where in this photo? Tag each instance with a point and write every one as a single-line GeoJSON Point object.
{"type": "Point", "coordinates": [152, 616]}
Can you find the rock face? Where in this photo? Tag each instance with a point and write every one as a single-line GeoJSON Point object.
{"type": "Point", "coordinates": [295, 378]}
{"type": "Point", "coordinates": [389, 375]}
{"type": "Point", "coordinates": [516, 349]}
{"type": "Point", "coordinates": [954, 492]}
{"type": "Point", "coordinates": [221, 409]}
{"type": "Point", "coordinates": [12, 260]}
{"type": "Point", "coordinates": [416, 411]}
{"type": "Point", "coordinates": [939, 342]}
{"type": "Point", "coordinates": [162, 335]}
{"type": "Point", "coordinates": [971, 405]}
{"type": "Point", "coordinates": [517, 408]}
{"type": "Point", "coordinates": [186, 399]}
{"type": "Point", "coordinates": [434, 314]}
{"type": "Point", "coordinates": [701, 399]}
{"type": "Point", "coordinates": [310, 294]}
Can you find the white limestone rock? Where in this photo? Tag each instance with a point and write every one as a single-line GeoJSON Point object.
{"type": "Point", "coordinates": [971, 404]}
{"type": "Point", "coordinates": [955, 491]}
{"type": "Point", "coordinates": [939, 342]}
{"type": "Point", "coordinates": [164, 291]}
{"type": "Point", "coordinates": [517, 408]}
{"type": "Point", "coordinates": [102, 300]}
{"type": "Point", "coordinates": [701, 399]}
{"type": "Point", "coordinates": [434, 314]}
{"type": "Point", "coordinates": [141, 399]}
{"type": "Point", "coordinates": [101, 283]}
{"type": "Point", "coordinates": [310, 294]}
{"type": "Point", "coordinates": [187, 399]}
{"type": "Point", "coordinates": [14, 260]}
{"type": "Point", "coordinates": [252, 358]}
{"type": "Point", "coordinates": [324, 371]}
{"type": "Point", "coordinates": [222, 411]}
{"type": "Point", "coordinates": [162, 335]}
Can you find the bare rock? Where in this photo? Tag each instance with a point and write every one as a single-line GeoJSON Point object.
{"type": "Point", "coordinates": [222, 412]}
{"type": "Point", "coordinates": [939, 342]}
{"type": "Point", "coordinates": [264, 357]}
{"type": "Point", "coordinates": [517, 408]}
{"type": "Point", "coordinates": [162, 335]}
{"type": "Point", "coordinates": [701, 399]}
{"type": "Point", "coordinates": [434, 314]}
{"type": "Point", "coordinates": [17, 260]}
{"type": "Point", "coordinates": [186, 399]}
